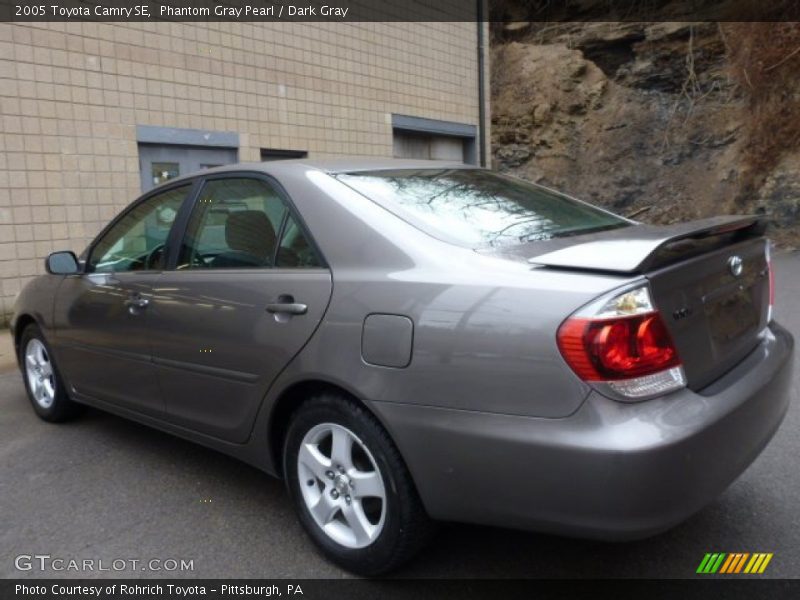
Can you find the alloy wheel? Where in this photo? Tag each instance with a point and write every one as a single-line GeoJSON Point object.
{"type": "Point", "coordinates": [39, 371]}
{"type": "Point", "coordinates": [341, 485]}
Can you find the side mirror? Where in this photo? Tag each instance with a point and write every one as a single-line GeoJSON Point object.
{"type": "Point", "coordinates": [62, 263]}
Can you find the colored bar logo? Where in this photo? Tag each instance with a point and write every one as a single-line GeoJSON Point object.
{"type": "Point", "coordinates": [734, 562]}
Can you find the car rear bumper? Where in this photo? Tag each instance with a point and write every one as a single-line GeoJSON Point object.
{"type": "Point", "coordinates": [611, 470]}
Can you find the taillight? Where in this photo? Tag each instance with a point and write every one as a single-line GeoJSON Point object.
{"type": "Point", "coordinates": [771, 273]}
{"type": "Point", "coordinates": [622, 342]}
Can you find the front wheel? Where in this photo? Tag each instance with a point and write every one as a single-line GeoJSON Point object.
{"type": "Point", "coordinates": [43, 382]}
{"type": "Point", "coordinates": [351, 488]}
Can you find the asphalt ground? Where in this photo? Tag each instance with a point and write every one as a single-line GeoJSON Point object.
{"type": "Point", "coordinates": [104, 488]}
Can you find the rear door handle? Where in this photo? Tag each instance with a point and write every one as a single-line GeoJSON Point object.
{"type": "Point", "coordinates": [288, 308]}
{"type": "Point", "coordinates": [285, 304]}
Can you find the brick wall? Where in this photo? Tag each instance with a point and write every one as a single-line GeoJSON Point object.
{"type": "Point", "coordinates": [71, 95]}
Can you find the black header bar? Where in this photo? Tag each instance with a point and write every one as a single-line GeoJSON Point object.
{"type": "Point", "coordinates": [719, 588]}
{"type": "Point", "coordinates": [399, 10]}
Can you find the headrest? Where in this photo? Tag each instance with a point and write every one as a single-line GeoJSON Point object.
{"type": "Point", "coordinates": [251, 232]}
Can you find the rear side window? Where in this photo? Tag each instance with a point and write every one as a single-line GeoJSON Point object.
{"type": "Point", "coordinates": [235, 225]}
{"type": "Point", "coordinates": [479, 208]}
{"type": "Point", "coordinates": [295, 251]}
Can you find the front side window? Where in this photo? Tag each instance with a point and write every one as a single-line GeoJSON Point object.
{"type": "Point", "coordinates": [235, 225]}
{"type": "Point", "coordinates": [478, 208]}
{"type": "Point", "coordinates": [136, 242]}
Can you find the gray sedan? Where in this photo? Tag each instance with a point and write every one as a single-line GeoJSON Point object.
{"type": "Point", "coordinates": [412, 341]}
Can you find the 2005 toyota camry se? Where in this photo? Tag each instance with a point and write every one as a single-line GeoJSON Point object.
{"type": "Point", "coordinates": [406, 342]}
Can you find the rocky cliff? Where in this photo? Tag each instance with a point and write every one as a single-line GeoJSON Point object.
{"type": "Point", "coordinates": [664, 121]}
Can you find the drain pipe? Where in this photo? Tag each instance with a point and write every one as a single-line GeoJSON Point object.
{"type": "Point", "coordinates": [481, 87]}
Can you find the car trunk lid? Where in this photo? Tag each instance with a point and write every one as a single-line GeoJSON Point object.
{"type": "Point", "coordinates": [709, 279]}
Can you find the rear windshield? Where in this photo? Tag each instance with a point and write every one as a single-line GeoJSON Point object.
{"type": "Point", "coordinates": [479, 208]}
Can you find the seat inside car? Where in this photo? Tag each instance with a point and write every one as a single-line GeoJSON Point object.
{"type": "Point", "coordinates": [250, 238]}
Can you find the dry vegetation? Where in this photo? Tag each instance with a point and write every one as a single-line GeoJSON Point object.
{"type": "Point", "coordinates": [670, 120]}
{"type": "Point", "coordinates": [764, 59]}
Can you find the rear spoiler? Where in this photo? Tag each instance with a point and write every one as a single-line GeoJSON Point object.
{"type": "Point", "coordinates": [641, 248]}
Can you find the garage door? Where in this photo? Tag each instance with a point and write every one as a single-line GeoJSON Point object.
{"type": "Point", "coordinates": [429, 147]}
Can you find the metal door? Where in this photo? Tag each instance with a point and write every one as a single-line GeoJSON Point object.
{"type": "Point", "coordinates": [159, 163]}
{"type": "Point", "coordinates": [101, 316]}
{"type": "Point", "coordinates": [246, 294]}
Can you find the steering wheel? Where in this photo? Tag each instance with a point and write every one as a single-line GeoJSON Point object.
{"type": "Point", "coordinates": [197, 260]}
{"type": "Point", "coordinates": [202, 260]}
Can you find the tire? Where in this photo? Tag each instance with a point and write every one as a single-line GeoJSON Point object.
{"type": "Point", "coordinates": [42, 379]}
{"type": "Point", "coordinates": [397, 526]}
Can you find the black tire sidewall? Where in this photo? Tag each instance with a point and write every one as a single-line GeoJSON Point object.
{"type": "Point", "coordinates": [375, 558]}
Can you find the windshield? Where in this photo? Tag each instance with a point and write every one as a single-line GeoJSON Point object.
{"type": "Point", "coordinates": [480, 208]}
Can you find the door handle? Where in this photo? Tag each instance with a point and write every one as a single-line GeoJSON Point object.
{"type": "Point", "coordinates": [137, 302]}
{"type": "Point", "coordinates": [287, 308]}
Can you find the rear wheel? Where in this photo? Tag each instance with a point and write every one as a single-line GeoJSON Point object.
{"type": "Point", "coordinates": [351, 488]}
{"type": "Point", "coordinates": [43, 382]}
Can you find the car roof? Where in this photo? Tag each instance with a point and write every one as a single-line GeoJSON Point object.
{"type": "Point", "coordinates": [334, 165]}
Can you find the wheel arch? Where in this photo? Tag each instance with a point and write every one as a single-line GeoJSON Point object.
{"type": "Point", "coordinates": [20, 325]}
{"type": "Point", "coordinates": [291, 399]}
